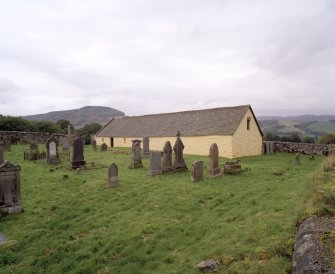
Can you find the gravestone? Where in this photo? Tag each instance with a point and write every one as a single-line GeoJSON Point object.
{"type": "Point", "coordinates": [197, 171]}
{"type": "Point", "coordinates": [136, 161]}
{"type": "Point", "coordinates": [267, 147]}
{"type": "Point", "coordinates": [10, 191]}
{"type": "Point", "coordinates": [232, 167]}
{"type": "Point", "coordinates": [7, 145]}
{"type": "Point", "coordinates": [78, 154]}
{"type": "Point", "coordinates": [94, 145]}
{"type": "Point", "coordinates": [297, 159]}
{"type": "Point", "coordinates": [33, 153]}
{"type": "Point", "coordinates": [69, 135]}
{"type": "Point", "coordinates": [214, 170]}
{"type": "Point", "coordinates": [66, 145]}
{"type": "Point", "coordinates": [113, 173]}
{"type": "Point", "coordinates": [52, 156]}
{"type": "Point", "coordinates": [179, 162]}
{"type": "Point", "coordinates": [103, 147]}
{"type": "Point", "coordinates": [167, 158]}
{"type": "Point", "coordinates": [155, 163]}
{"type": "Point", "coordinates": [146, 150]}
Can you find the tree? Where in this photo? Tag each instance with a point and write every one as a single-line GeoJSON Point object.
{"type": "Point", "coordinates": [327, 139]}
{"type": "Point", "coordinates": [63, 124]}
{"type": "Point", "coordinates": [86, 131]}
{"type": "Point", "coordinates": [308, 140]}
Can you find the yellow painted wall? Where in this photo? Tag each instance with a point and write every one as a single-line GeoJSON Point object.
{"type": "Point", "coordinates": [198, 145]}
{"type": "Point", "coordinates": [247, 142]}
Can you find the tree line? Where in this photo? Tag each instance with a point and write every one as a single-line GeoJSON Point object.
{"type": "Point", "coordinates": [295, 138]}
{"type": "Point", "coordinates": [11, 123]}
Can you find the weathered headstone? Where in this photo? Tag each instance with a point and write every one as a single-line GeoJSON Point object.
{"type": "Point", "coordinates": [214, 169]}
{"type": "Point", "coordinates": [113, 173]}
{"type": "Point", "coordinates": [146, 150]}
{"type": "Point", "coordinates": [66, 145]}
{"type": "Point", "coordinates": [155, 163]}
{"type": "Point", "coordinates": [7, 144]}
{"type": "Point", "coordinates": [10, 191]}
{"type": "Point", "coordinates": [94, 145]}
{"type": "Point", "coordinates": [167, 158]}
{"type": "Point", "coordinates": [136, 160]}
{"type": "Point", "coordinates": [232, 167]}
{"type": "Point", "coordinates": [69, 135]}
{"type": "Point", "coordinates": [297, 158]}
{"type": "Point", "coordinates": [52, 156]}
{"type": "Point", "coordinates": [33, 153]}
{"type": "Point", "coordinates": [103, 147]}
{"type": "Point", "coordinates": [197, 171]}
{"type": "Point", "coordinates": [179, 162]}
{"type": "Point", "coordinates": [78, 154]}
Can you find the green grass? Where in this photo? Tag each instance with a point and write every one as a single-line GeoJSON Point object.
{"type": "Point", "coordinates": [326, 127]}
{"type": "Point", "coordinates": [289, 127]}
{"type": "Point", "coordinates": [161, 224]}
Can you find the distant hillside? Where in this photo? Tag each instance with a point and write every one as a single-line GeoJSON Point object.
{"type": "Point", "coordinates": [299, 118]}
{"type": "Point", "coordinates": [79, 117]}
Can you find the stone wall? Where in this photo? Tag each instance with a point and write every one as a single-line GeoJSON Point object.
{"type": "Point", "coordinates": [27, 137]}
{"type": "Point", "coordinates": [305, 148]}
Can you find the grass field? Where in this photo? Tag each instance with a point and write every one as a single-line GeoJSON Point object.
{"type": "Point", "coordinates": [161, 224]}
{"type": "Point", "coordinates": [289, 127]}
{"type": "Point", "coordinates": [326, 127]}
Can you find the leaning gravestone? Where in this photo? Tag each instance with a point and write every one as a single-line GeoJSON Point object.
{"type": "Point", "coordinates": [167, 158]}
{"type": "Point", "coordinates": [94, 145]}
{"type": "Point", "coordinates": [78, 154]}
{"type": "Point", "coordinates": [10, 191]}
{"type": "Point", "coordinates": [179, 162]}
{"type": "Point", "coordinates": [155, 163]}
{"type": "Point", "coordinates": [103, 147]}
{"type": "Point", "coordinates": [146, 150]}
{"type": "Point", "coordinates": [136, 160]}
{"type": "Point", "coordinates": [197, 171]}
{"type": "Point", "coordinates": [113, 173]}
{"type": "Point", "coordinates": [52, 151]}
{"type": "Point", "coordinates": [214, 170]}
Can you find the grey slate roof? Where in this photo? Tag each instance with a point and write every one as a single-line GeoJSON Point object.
{"type": "Point", "coordinates": [216, 121]}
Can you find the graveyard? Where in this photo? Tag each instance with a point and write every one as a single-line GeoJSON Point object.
{"type": "Point", "coordinates": [165, 223]}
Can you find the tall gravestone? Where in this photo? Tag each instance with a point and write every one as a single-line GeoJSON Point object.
{"type": "Point", "coordinates": [136, 160]}
{"type": "Point", "coordinates": [103, 147]}
{"type": "Point", "coordinates": [69, 135]}
{"type": "Point", "coordinates": [178, 148]}
{"type": "Point", "coordinates": [94, 145]}
{"type": "Point", "coordinates": [146, 150]}
{"type": "Point", "coordinates": [52, 156]}
{"type": "Point", "coordinates": [10, 190]}
{"type": "Point", "coordinates": [78, 154]}
{"type": "Point", "coordinates": [167, 158]}
{"type": "Point", "coordinates": [113, 175]}
{"type": "Point", "coordinates": [155, 163]}
{"type": "Point", "coordinates": [214, 169]}
{"type": "Point", "coordinates": [197, 171]}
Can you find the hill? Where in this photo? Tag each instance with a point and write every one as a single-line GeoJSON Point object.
{"type": "Point", "coordinates": [79, 117]}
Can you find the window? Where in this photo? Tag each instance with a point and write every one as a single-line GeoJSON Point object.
{"type": "Point", "coordinates": [248, 123]}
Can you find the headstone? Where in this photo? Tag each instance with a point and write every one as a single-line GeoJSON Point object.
{"type": "Point", "coordinates": [66, 145]}
{"type": "Point", "coordinates": [155, 163]}
{"type": "Point", "coordinates": [7, 144]}
{"type": "Point", "coordinates": [94, 145]}
{"type": "Point", "coordinates": [113, 173]}
{"type": "Point", "coordinates": [10, 191]}
{"type": "Point", "coordinates": [179, 162]}
{"type": "Point", "coordinates": [267, 147]}
{"type": "Point", "coordinates": [146, 150]}
{"type": "Point", "coordinates": [52, 156]}
{"type": "Point", "coordinates": [271, 147]}
{"type": "Point", "coordinates": [103, 147]}
{"type": "Point", "coordinates": [232, 167]}
{"type": "Point", "coordinates": [136, 160]}
{"type": "Point", "coordinates": [297, 158]}
{"type": "Point", "coordinates": [214, 169]}
{"type": "Point", "coordinates": [69, 135]}
{"type": "Point", "coordinates": [33, 153]}
{"type": "Point", "coordinates": [197, 171]}
{"type": "Point", "coordinates": [78, 154]}
{"type": "Point", "coordinates": [167, 158]}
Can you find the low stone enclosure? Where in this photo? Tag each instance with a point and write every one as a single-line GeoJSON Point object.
{"type": "Point", "coordinates": [270, 147]}
{"type": "Point", "coordinates": [28, 137]}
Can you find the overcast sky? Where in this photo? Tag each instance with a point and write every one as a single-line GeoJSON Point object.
{"type": "Point", "coordinates": [151, 56]}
